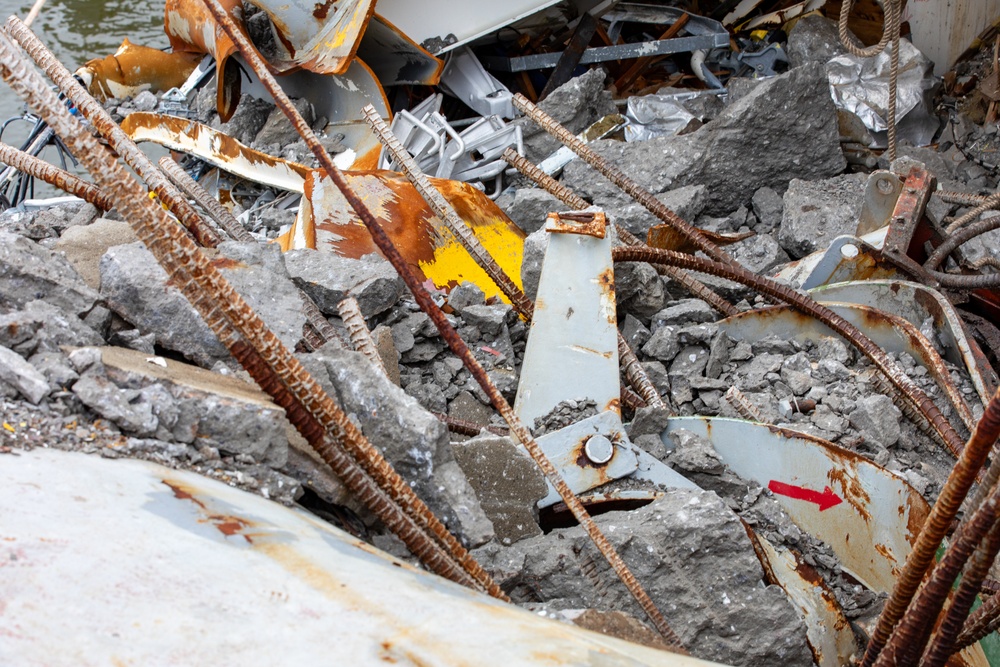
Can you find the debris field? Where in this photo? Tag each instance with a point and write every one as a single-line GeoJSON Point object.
{"type": "Point", "coordinates": [658, 320]}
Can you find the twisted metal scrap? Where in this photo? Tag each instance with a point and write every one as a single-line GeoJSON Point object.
{"type": "Point", "coordinates": [984, 204]}
{"type": "Point", "coordinates": [274, 368]}
{"type": "Point", "coordinates": [117, 138]}
{"type": "Point", "coordinates": [448, 333]}
{"type": "Point", "coordinates": [971, 457]}
{"type": "Point", "coordinates": [60, 178]}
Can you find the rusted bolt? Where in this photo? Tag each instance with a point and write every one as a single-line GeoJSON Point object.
{"type": "Point", "coordinates": [599, 449]}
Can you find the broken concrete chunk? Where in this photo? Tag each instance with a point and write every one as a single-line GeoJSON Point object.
{"type": "Point", "coordinates": [688, 202]}
{"type": "Point", "coordinates": [507, 483]}
{"type": "Point", "coordinates": [328, 278]}
{"type": "Point", "coordinates": [466, 294]}
{"type": "Point", "coordinates": [277, 128]}
{"type": "Point", "coordinates": [249, 119]}
{"type": "Point", "coordinates": [684, 311]}
{"type": "Point", "coordinates": [530, 208]}
{"type": "Point", "coordinates": [531, 266]}
{"type": "Point", "coordinates": [877, 419]}
{"type": "Point", "coordinates": [785, 128]}
{"type": "Point", "coordinates": [759, 253]}
{"type": "Point", "coordinates": [687, 548]}
{"type": "Point", "coordinates": [173, 401]}
{"type": "Point", "coordinates": [577, 104]}
{"type": "Point", "coordinates": [22, 376]}
{"type": "Point", "coordinates": [813, 39]}
{"type": "Point", "coordinates": [692, 453]}
{"type": "Point", "coordinates": [135, 286]}
{"type": "Point", "coordinates": [410, 438]}
{"type": "Point", "coordinates": [488, 319]}
{"type": "Point", "coordinates": [84, 246]}
{"type": "Point", "coordinates": [55, 367]}
{"type": "Point", "coordinates": [663, 345]}
{"type": "Point", "coordinates": [29, 272]}
{"type": "Point", "coordinates": [816, 212]}
{"type": "Point", "coordinates": [257, 272]}
{"type": "Point", "coordinates": [42, 327]}
{"type": "Point", "coordinates": [638, 289]}
{"type": "Point", "coordinates": [476, 527]}
{"type": "Point", "coordinates": [767, 206]}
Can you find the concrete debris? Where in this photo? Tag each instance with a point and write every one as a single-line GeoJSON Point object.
{"type": "Point", "coordinates": [327, 279]}
{"type": "Point", "coordinates": [792, 114]}
{"type": "Point", "coordinates": [686, 547]}
{"type": "Point", "coordinates": [93, 332]}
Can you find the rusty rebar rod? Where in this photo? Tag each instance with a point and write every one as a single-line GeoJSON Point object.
{"type": "Point", "coordinates": [119, 141]}
{"type": "Point", "coordinates": [618, 177]}
{"type": "Point", "coordinates": [912, 633]}
{"type": "Point", "coordinates": [971, 457]}
{"type": "Point", "coordinates": [576, 202]}
{"type": "Point", "coordinates": [272, 365]}
{"type": "Point", "coordinates": [958, 238]}
{"type": "Point", "coordinates": [357, 329]}
{"type": "Point", "coordinates": [219, 213]}
{"type": "Point", "coordinates": [988, 203]}
{"type": "Point", "coordinates": [981, 623]}
{"type": "Point", "coordinates": [60, 178]}
{"type": "Point", "coordinates": [744, 408]}
{"type": "Point", "coordinates": [447, 332]}
{"type": "Point", "coordinates": [962, 198]}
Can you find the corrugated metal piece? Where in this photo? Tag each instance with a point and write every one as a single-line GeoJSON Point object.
{"type": "Point", "coordinates": [127, 562]}
{"type": "Point", "coordinates": [572, 350]}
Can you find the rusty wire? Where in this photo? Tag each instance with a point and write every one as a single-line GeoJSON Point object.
{"type": "Point", "coordinates": [60, 178]}
{"type": "Point", "coordinates": [958, 238]}
{"type": "Point", "coordinates": [219, 213]}
{"type": "Point", "coordinates": [447, 332]}
{"type": "Point", "coordinates": [963, 198]}
{"type": "Point", "coordinates": [272, 365]}
{"type": "Point", "coordinates": [616, 176]}
{"type": "Point", "coordinates": [119, 141]}
{"type": "Point", "coordinates": [361, 337]}
{"type": "Point", "coordinates": [573, 200]}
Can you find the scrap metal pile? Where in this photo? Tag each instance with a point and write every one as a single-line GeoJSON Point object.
{"type": "Point", "coordinates": [698, 368]}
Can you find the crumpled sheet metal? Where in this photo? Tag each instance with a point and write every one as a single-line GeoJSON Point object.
{"type": "Point", "coordinates": [320, 37]}
{"type": "Point", "coordinates": [128, 562]}
{"type": "Point", "coordinates": [326, 222]}
{"type": "Point", "coordinates": [861, 86]}
{"type": "Point", "coordinates": [395, 58]}
{"type": "Point", "coordinates": [655, 116]}
{"type": "Point", "coordinates": [191, 28]}
{"type": "Point", "coordinates": [134, 68]}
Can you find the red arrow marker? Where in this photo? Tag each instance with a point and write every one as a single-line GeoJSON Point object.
{"type": "Point", "coordinates": [825, 499]}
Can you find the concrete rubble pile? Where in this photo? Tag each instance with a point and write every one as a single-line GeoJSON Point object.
{"type": "Point", "coordinates": [102, 353]}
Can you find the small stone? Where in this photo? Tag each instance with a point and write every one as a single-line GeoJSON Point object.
{"type": "Point", "coordinates": [466, 294]}
{"type": "Point", "coordinates": [328, 278]}
{"type": "Point", "coordinates": [530, 207]}
{"type": "Point", "coordinates": [145, 101]}
{"type": "Point", "coordinates": [692, 453]}
{"type": "Point", "coordinates": [685, 311]}
{"type": "Point", "coordinates": [662, 345]}
{"type": "Point", "coordinates": [690, 361]}
{"type": "Point", "coordinates": [488, 319]}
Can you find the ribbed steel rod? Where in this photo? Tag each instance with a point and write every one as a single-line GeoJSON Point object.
{"type": "Point", "coordinates": [60, 178]}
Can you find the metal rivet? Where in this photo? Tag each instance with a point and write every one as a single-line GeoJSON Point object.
{"type": "Point", "coordinates": [599, 449]}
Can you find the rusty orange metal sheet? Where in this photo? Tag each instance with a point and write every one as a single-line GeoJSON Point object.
{"type": "Point", "coordinates": [666, 237]}
{"type": "Point", "coordinates": [192, 29]}
{"type": "Point", "coordinates": [134, 68]}
{"type": "Point", "coordinates": [326, 222]}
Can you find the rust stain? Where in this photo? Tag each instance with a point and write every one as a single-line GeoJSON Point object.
{"type": "Point", "coordinates": [227, 525]}
{"type": "Point", "coordinates": [222, 263]}
{"type": "Point", "coordinates": [851, 491]}
{"type": "Point", "coordinates": [885, 552]}
{"type": "Point", "coordinates": [322, 9]}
